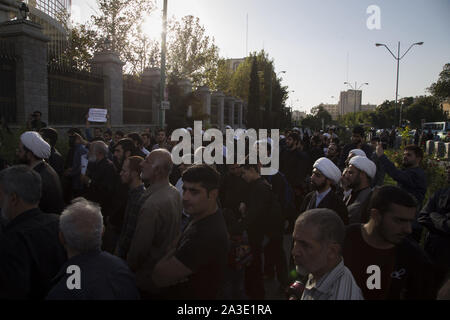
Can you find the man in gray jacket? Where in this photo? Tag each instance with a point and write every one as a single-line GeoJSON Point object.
{"type": "Point", "coordinates": [159, 221]}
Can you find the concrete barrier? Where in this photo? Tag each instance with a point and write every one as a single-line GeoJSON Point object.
{"type": "Point", "coordinates": [429, 150]}
{"type": "Point", "coordinates": [447, 151]}
{"type": "Point", "coordinates": [439, 149]}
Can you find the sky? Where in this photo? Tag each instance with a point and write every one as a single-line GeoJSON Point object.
{"type": "Point", "coordinates": [323, 43]}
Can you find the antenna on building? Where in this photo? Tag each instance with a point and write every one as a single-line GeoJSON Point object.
{"type": "Point", "coordinates": [246, 40]}
{"type": "Point", "coordinates": [348, 59]}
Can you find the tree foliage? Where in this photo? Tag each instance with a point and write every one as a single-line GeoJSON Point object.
{"type": "Point", "coordinates": [314, 120]}
{"type": "Point", "coordinates": [254, 98]}
{"type": "Point", "coordinates": [191, 53]}
{"type": "Point", "coordinates": [441, 88]}
{"type": "Point", "coordinates": [427, 108]}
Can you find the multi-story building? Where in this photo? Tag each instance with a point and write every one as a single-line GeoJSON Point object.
{"type": "Point", "coordinates": [350, 101]}
{"type": "Point", "coordinates": [332, 109]}
{"type": "Point", "coordinates": [298, 115]}
{"type": "Point", "coordinates": [52, 15]}
{"type": "Point", "coordinates": [368, 107]}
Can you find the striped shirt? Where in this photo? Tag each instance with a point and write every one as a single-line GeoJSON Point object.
{"type": "Point", "coordinates": [338, 284]}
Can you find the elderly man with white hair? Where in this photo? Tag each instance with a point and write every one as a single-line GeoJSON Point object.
{"type": "Point", "coordinates": [318, 240]}
{"type": "Point", "coordinates": [89, 274]}
{"type": "Point", "coordinates": [33, 151]}
{"type": "Point", "coordinates": [324, 176]}
{"type": "Point", "coordinates": [359, 175]}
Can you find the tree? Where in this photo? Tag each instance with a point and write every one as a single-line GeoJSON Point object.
{"type": "Point", "coordinates": [224, 77]}
{"type": "Point", "coordinates": [119, 21]}
{"type": "Point", "coordinates": [191, 53]}
{"type": "Point", "coordinates": [254, 103]}
{"type": "Point", "coordinates": [79, 50]}
{"type": "Point", "coordinates": [441, 88]}
{"type": "Point", "coordinates": [427, 108]}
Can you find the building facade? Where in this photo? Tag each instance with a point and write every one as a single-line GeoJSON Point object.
{"type": "Point", "coordinates": [51, 15]}
{"type": "Point", "coordinates": [332, 109]}
{"type": "Point", "coordinates": [350, 101]}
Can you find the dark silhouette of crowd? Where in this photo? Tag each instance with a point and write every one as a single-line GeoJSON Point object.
{"type": "Point", "coordinates": [115, 218]}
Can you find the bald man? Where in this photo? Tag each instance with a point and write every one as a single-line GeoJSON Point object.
{"type": "Point", "coordinates": [159, 221]}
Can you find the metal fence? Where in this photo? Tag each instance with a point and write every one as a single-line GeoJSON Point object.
{"type": "Point", "coordinates": [137, 102]}
{"type": "Point", "coordinates": [7, 82]}
{"type": "Point", "coordinates": [71, 94]}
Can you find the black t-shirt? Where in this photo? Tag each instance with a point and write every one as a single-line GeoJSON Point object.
{"type": "Point", "coordinates": [203, 248]}
{"type": "Point", "coordinates": [405, 272]}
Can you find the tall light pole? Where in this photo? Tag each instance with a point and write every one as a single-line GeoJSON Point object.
{"type": "Point", "coordinates": [355, 89]}
{"type": "Point", "coordinates": [398, 58]}
{"type": "Point", "coordinates": [163, 66]}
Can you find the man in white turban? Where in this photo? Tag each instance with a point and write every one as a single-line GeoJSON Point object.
{"type": "Point", "coordinates": [32, 151]}
{"type": "Point", "coordinates": [360, 173]}
{"type": "Point", "coordinates": [325, 174]}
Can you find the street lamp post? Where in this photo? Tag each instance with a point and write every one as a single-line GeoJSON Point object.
{"type": "Point", "coordinates": [163, 66]}
{"type": "Point", "coordinates": [398, 58]}
{"type": "Point", "coordinates": [355, 89]}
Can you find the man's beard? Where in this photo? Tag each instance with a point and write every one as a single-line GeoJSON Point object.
{"type": "Point", "coordinates": [320, 186]}
{"type": "Point", "coordinates": [22, 160]}
{"type": "Point", "coordinates": [355, 184]}
{"type": "Point", "coordinates": [406, 164]}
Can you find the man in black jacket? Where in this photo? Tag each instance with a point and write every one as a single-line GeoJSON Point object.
{"type": "Point", "coordinates": [101, 178]}
{"type": "Point", "coordinates": [435, 216]}
{"type": "Point", "coordinates": [30, 253]}
{"type": "Point", "coordinates": [95, 274]}
{"type": "Point", "coordinates": [411, 178]}
{"type": "Point", "coordinates": [263, 217]}
{"type": "Point", "coordinates": [325, 175]}
{"type": "Point", "coordinates": [32, 151]}
{"type": "Point", "coordinates": [358, 138]}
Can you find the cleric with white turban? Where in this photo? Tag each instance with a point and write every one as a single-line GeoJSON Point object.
{"type": "Point", "coordinates": [364, 164]}
{"type": "Point", "coordinates": [358, 152]}
{"type": "Point", "coordinates": [34, 142]}
{"type": "Point", "coordinates": [328, 169]}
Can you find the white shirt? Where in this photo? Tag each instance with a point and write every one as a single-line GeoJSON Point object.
{"type": "Point", "coordinates": [338, 284]}
{"type": "Point", "coordinates": [145, 151]}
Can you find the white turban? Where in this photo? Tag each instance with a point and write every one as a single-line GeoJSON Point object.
{"type": "Point", "coordinates": [328, 169]}
{"type": "Point", "coordinates": [34, 142]}
{"type": "Point", "coordinates": [358, 152]}
{"type": "Point", "coordinates": [364, 164]}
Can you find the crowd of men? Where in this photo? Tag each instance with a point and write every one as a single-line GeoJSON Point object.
{"type": "Point", "coordinates": [119, 215]}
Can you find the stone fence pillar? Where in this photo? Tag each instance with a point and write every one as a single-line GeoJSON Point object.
{"type": "Point", "coordinates": [108, 65]}
{"type": "Point", "coordinates": [429, 149]}
{"type": "Point", "coordinates": [30, 46]}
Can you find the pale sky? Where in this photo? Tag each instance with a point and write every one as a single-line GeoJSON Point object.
{"type": "Point", "coordinates": [311, 40]}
